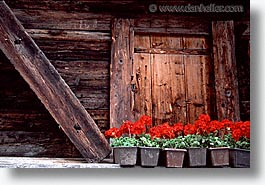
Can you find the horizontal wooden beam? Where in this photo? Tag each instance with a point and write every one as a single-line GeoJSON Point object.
{"type": "Point", "coordinates": [172, 51]}
{"type": "Point", "coordinates": [177, 31]}
{"type": "Point", "coordinates": [50, 88]}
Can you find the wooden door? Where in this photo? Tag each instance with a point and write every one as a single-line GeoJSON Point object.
{"type": "Point", "coordinates": [170, 80]}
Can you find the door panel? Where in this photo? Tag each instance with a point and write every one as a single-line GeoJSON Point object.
{"type": "Point", "coordinates": [171, 87]}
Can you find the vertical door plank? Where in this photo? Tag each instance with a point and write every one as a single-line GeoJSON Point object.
{"type": "Point", "coordinates": [177, 87]}
{"type": "Point", "coordinates": [226, 82]}
{"type": "Point", "coordinates": [160, 88]}
{"type": "Point", "coordinates": [194, 83]}
{"type": "Point", "coordinates": [120, 73]}
{"type": "Point", "coordinates": [142, 102]}
{"type": "Point", "coordinates": [197, 78]}
{"type": "Point", "coordinates": [206, 84]}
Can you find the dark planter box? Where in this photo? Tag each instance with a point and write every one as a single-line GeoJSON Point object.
{"type": "Point", "coordinates": [173, 158]}
{"type": "Point", "coordinates": [197, 157]}
{"type": "Point", "coordinates": [149, 156]}
{"type": "Point", "coordinates": [219, 157]}
{"type": "Point", "coordinates": [239, 158]}
{"type": "Point", "coordinates": [125, 156]}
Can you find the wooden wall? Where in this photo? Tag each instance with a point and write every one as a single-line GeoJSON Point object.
{"type": "Point", "coordinates": [76, 37]}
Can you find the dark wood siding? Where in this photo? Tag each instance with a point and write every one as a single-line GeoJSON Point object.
{"type": "Point", "coordinates": [76, 37]}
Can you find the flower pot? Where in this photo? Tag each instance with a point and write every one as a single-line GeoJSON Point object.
{"type": "Point", "coordinates": [196, 157]}
{"type": "Point", "coordinates": [219, 157]}
{"type": "Point", "coordinates": [149, 156]}
{"type": "Point", "coordinates": [125, 156]}
{"type": "Point", "coordinates": [174, 157]}
{"type": "Point", "coordinates": [239, 158]}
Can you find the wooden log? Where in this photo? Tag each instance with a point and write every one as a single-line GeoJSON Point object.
{"type": "Point", "coordinates": [50, 44]}
{"type": "Point", "coordinates": [27, 121]}
{"type": "Point", "coordinates": [70, 55]}
{"type": "Point", "coordinates": [50, 88]}
{"type": "Point", "coordinates": [32, 144]}
{"type": "Point", "coordinates": [84, 36]}
{"type": "Point", "coordinates": [120, 73]}
{"type": "Point", "coordinates": [63, 20]}
{"type": "Point", "coordinates": [38, 120]}
{"type": "Point", "coordinates": [226, 82]}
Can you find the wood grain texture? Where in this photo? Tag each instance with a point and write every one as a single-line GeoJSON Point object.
{"type": "Point", "coordinates": [180, 82]}
{"type": "Point", "coordinates": [63, 20]}
{"type": "Point", "coordinates": [120, 73]}
{"type": "Point", "coordinates": [141, 92]}
{"type": "Point", "coordinates": [29, 143]}
{"type": "Point", "coordinates": [51, 89]}
{"type": "Point", "coordinates": [46, 162]}
{"type": "Point", "coordinates": [226, 82]}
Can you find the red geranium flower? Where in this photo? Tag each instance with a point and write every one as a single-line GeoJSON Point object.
{"type": "Point", "coordinates": [189, 129]}
{"type": "Point", "coordinates": [155, 132]}
{"type": "Point", "coordinates": [126, 127]}
{"type": "Point", "coordinates": [178, 128]}
{"type": "Point", "coordinates": [204, 117]}
{"type": "Point", "coordinates": [138, 128]}
{"type": "Point", "coordinates": [113, 133]}
{"type": "Point", "coordinates": [146, 120]}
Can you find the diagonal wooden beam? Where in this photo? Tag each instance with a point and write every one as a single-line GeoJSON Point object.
{"type": "Point", "coordinates": [50, 88]}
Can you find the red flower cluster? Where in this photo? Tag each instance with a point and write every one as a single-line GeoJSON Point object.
{"type": "Point", "coordinates": [203, 126]}
{"type": "Point", "coordinates": [113, 133]}
{"type": "Point", "coordinates": [162, 131]}
{"type": "Point", "coordinates": [137, 128]}
{"type": "Point", "coordinates": [189, 129]}
{"type": "Point", "coordinates": [240, 129]}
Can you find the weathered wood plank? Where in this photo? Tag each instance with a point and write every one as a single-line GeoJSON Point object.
{"type": "Point", "coordinates": [142, 100]}
{"type": "Point", "coordinates": [50, 44]}
{"type": "Point", "coordinates": [161, 93]}
{"type": "Point", "coordinates": [172, 25]}
{"type": "Point", "coordinates": [180, 30]}
{"type": "Point", "coordinates": [63, 20]}
{"type": "Point", "coordinates": [69, 35]}
{"type": "Point", "coordinates": [70, 55]}
{"type": "Point", "coordinates": [120, 73]}
{"type": "Point", "coordinates": [26, 121]}
{"type": "Point", "coordinates": [30, 162]}
{"type": "Point", "coordinates": [177, 88]}
{"type": "Point", "coordinates": [48, 85]}
{"type": "Point", "coordinates": [226, 82]}
{"type": "Point", "coordinates": [196, 78]}
{"type": "Point", "coordinates": [38, 120]}
{"type": "Point", "coordinates": [194, 88]}
{"type": "Point", "coordinates": [173, 51]}
{"type": "Point", "coordinates": [132, 8]}
{"type": "Point", "coordinates": [21, 143]}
